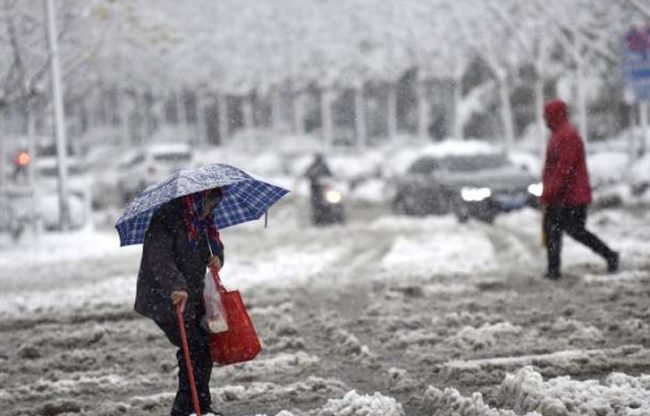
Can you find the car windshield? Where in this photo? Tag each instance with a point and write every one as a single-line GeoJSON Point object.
{"type": "Point", "coordinates": [425, 166]}
{"type": "Point", "coordinates": [172, 157]}
{"type": "Point", "coordinates": [474, 162]}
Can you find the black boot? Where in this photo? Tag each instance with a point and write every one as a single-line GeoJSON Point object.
{"type": "Point", "coordinates": [553, 275]}
{"type": "Point", "coordinates": [613, 261]}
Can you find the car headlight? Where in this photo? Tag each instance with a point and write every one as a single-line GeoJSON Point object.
{"type": "Point", "coordinates": [333, 197]}
{"type": "Point", "coordinates": [475, 194]}
{"type": "Point", "coordinates": [536, 189]}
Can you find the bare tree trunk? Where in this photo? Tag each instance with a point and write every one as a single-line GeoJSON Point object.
{"type": "Point", "coordinates": [247, 109]}
{"type": "Point", "coordinates": [142, 117]}
{"type": "Point", "coordinates": [458, 98]}
{"type": "Point", "coordinates": [3, 148]}
{"type": "Point", "coordinates": [581, 92]}
{"type": "Point", "coordinates": [222, 109]}
{"type": "Point", "coordinates": [276, 109]}
{"type": "Point", "coordinates": [539, 113]}
{"type": "Point", "coordinates": [326, 99]}
{"type": "Point", "coordinates": [645, 133]}
{"type": "Point", "coordinates": [123, 119]}
{"type": "Point", "coordinates": [201, 126]}
{"type": "Point", "coordinates": [424, 118]}
{"type": "Point", "coordinates": [632, 145]}
{"type": "Point", "coordinates": [299, 112]}
{"type": "Point", "coordinates": [150, 113]}
{"type": "Point", "coordinates": [360, 118]}
{"type": "Point", "coordinates": [391, 117]}
{"type": "Point", "coordinates": [183, 115]}
{"type": "Point", "coordinates": [506, 113]}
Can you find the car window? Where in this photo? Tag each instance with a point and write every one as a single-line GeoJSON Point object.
{"type": "Point", "coordinates": [424, 166]}
{"type": "Point", "coordinates": [53, 171]}
{"type": "Point", "coordinates": [172, 157]}
{"type": "Point", "coordinates": [135, 161]}
{"type": "Point", "coordinates": [474, 163]}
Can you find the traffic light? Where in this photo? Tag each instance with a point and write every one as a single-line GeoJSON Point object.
{"type": "Point", "coordinates": [21, 163]}
{"type": "Point", "coordinates": [23, 159]}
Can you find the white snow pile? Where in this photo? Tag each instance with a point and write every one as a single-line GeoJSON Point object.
{"type": "Point", "coordinates": [577, 331]}
{"type": "Point", "coordinates": [354, 404]}
{"type": "Point", "coordinates": [527, 394]}
{"type": "Point", "coordinates": [450, 403]}
{"type": "Point", "coordinates": [618, 394]}
{"type": "Point", "coordinates": [482, 337]}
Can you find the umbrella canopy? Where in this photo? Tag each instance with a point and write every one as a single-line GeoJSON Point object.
{"type": "Point", "coordinates": [245, 198]}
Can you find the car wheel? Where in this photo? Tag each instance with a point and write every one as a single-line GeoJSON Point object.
{"type": "Point", "coordinates": [462, 215]}
{"type": "Point", "coordinates": [489, 217]}
{"type": "Point", "coordinates": [401, 207]}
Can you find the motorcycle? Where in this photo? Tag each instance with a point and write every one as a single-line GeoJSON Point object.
{"type": "Point", "coordinates": [327, 203]}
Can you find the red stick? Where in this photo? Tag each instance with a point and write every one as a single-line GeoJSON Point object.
{"type": "Point", "coordinates": [188, 361]}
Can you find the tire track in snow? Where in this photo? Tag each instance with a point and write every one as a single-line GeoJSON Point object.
{"type": "Point", "coordinates": [517, 254]}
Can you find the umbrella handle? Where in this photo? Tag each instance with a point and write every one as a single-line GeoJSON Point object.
{"type": "Point", "coordinates": [188, 361]}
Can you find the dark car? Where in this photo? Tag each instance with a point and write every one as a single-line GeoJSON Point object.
{"type": "Point", "coordinates": [478, 185]}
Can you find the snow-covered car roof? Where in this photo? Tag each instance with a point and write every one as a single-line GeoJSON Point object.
{"type": "Point", "coordinates": [399, 161]}
{"type": "Point", "coordinates": [166, 148]}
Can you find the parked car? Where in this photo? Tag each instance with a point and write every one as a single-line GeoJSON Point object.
{"type": "Point", "coordinates": [477, 185]}
{"type": "Point", "coordinates": [639, 176]}
{"type": "Point", "coordinates": [150, 165]}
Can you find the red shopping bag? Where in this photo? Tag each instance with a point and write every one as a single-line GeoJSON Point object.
{"type": "Point", "coordinates": [240, 342]}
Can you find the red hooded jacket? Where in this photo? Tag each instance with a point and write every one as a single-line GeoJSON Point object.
{"type": "Point", "coordinates": [566, 180]}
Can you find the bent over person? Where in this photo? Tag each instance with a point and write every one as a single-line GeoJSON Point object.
{"type": "Point", "coordinates": [567, 192]}
{"type": "Point", "coordinates": [180, 242]}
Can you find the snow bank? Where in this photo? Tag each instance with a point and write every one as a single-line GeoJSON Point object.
{"type": "Point", "coordinates": [526, 393]}
{"type": "Point", "coordinates": [618, 394]}
{"type": "Point", "coordinates": [484, 336]}
{"type": "Point", "coordinates": [354, 404]}
{"type": "Point", "coordinates": [450, 402]}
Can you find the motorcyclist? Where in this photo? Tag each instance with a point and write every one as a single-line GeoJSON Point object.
{"type": "Point", "coordinates": [315, 172]}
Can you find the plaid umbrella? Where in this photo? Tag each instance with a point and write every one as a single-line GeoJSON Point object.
{"type": "Point", "coordinates": [245, 198]}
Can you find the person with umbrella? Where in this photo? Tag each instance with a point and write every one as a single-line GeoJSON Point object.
{"type": "Point", "coordinates": [178, 223]}
{"type": "Point", "coordinates": [180, 242]}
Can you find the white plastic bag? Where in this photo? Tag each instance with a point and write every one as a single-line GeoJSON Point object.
{"type": "Point", "coordinates": [215, 315]}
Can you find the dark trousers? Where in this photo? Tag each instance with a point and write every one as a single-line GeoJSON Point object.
{"type": "Point", "coordinates": [571, 220]}
{"type": "Point", "coordinates": [197, 340]}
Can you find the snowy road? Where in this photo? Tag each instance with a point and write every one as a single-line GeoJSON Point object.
{"type": "Point", "coordinates": [401, 306]}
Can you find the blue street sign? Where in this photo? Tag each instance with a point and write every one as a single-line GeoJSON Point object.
{"type": "Point", "coordinates": [636, 60]}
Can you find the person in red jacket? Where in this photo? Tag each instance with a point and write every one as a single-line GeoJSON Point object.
{"type": "Point", "coordinates": [567, 192]}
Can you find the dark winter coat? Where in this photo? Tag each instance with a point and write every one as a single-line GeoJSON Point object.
{"type": "Point", "coordinates": [566, 180]}
{"type": "Point", "coordinates": [170, 263]}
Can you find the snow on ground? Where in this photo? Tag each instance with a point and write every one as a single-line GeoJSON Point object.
{"type": "Point", "coordinates": [441, 250]}
{"type": "Point", "coordinates": [61, 247]}
{"type": "Point", "coordinates": [361, 319]}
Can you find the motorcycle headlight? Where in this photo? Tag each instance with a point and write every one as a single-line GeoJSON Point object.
{"type": "Point", "coordinates": [536, 189]}
{"type": "Point", "coordinates": [475, 194]}
{"type": "Point", "coordinates": [333, 197]}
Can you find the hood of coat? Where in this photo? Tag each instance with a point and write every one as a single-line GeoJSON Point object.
{"type": "Point", "coordinates": [556, 114]}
